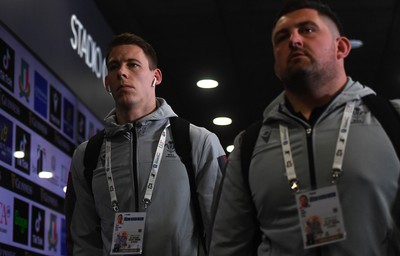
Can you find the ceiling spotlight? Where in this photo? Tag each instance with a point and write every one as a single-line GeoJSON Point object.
{"type": "Point", "coordinates": [45, 175]}
{"type": "Point", "coordinates": [207, 83]}
{"type": "Point", "coordinates": [230, 148]}
{"type": "Point", "coordinates": [355, 43]}
{"type": "Point", "coordinates": [222, 121]}
{"type": "Point", "coordinates": [19, 154]}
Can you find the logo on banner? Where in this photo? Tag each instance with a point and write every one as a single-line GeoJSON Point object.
{"type": "Point", "coordinates": [5, 214]}
{"type": "Point", "coordinates": [68, 126]}
{"type": "Point", "coordinates": [40, 158]}
{"type": "Point", "coordinates": [21, 221]}
{"type": "Point", "coordinates": [41, 95]}
{"type": "Point", "coordinates": [55, 107]}
{"type": "Point", "coordinates": [52, 233]}
{"type": "Point", "coordinates": [7, 65]}
{"type": "Point", "coordinates": [81, 128]}
{"type": "Point", "coordinates": [6, 134]}
{"type": "Point", "coordinates": [23, 81]}
{"type": "Point", "coordinates": [23, 144]}
{"type": "Point", "coordinates": [37, 228]}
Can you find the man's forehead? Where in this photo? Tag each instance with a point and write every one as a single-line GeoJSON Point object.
{"type": "Point", "coordinates": [126, 50]}
{"type": "Point", "coordinates": [297, 17]}
{"type": "Point", "coordinates": [126, 53]}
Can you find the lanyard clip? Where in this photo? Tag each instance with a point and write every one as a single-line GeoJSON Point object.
{"type": "Point", "coordinates": [336, 173]}
{"type": "Point", "coordinates": [115, 206]}
{"type": "Point", "coordinates": [294, 185]}
{"type": "Point", "coordinates": [146, 202]}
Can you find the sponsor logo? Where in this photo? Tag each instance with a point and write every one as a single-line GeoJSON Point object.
{"type": "Point", "coordinates": [52, 233]}
{"type": "Point", "coordinates": [40, 157]}
{"type": "Point", "coordinates": [23, 144]}
{"type": "Point", "coordinates": [68, 118]}
{"type": "Point", "coordinates": [5, 214]}
{"type": "Point", "coordinates": [81, 127]}
{"type": "Point", "coordinates": [37, 228]}
{"type": "Point", "coordinates": [6, 134]}
{"type": "Point", "coordinates": [23, 81]}
{"type": "Point", "coordinates": [55, 107]}
{"type": "Point", "coordinates": [63, 237]}
{"type": "Point", "coordinates": [21, 185]}
{"type": "Point", "coordinates": [7, 58]}
{"type": "Point", "coordinates": [21, 221]}
{"type": "Point", "coordinates": [41, 95]}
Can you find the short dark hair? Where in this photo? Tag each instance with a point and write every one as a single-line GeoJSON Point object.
{"type": "Point", "coordinates": [132, 39]}
{"type": "Point", "coordinates": [321, 8]}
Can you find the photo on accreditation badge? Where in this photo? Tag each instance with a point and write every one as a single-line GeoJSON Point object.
{"type": "Point", "coordinates": [320, 217]}
{"type": "Point", "coordinates": [128, 233]}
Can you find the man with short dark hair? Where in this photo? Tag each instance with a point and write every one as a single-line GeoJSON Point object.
{"type": "Point", "coordinates": [318, 139]}
{"type": "Point", "coordinates": [139, 174]}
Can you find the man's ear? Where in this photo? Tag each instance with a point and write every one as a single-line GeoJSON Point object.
{"type": "Point", "coordinates": [107, 84]}
{"type": "Point", "coordinates": [158, 76]}
{"type": "Point", "coordinates": [343, 47]}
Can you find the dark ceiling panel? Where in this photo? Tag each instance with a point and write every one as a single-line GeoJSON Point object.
{"type": "Point", "coordinates": [229, 40]}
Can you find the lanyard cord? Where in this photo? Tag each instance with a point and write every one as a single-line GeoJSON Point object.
{"type": "Point", "coordinates": [339, 152]}
{"type": "Point", "coordinates": [154, 167]}
{"type": "Point", "coordinates": [153, 172]}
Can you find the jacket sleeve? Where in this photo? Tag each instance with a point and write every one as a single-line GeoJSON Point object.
{"type": "Point", "coordinates": [209, 161]}
{"type": "Point", "coordinates": [84, 223]}
{"type": "Point", "coordinates": [235, 229]}
{"type": "Point", "coordinates": [396, 105]}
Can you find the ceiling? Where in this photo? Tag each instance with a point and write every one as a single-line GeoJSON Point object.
{"type": "Point", "coordinates": [229, 41]}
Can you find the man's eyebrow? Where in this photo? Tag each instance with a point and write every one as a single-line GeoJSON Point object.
{"type": "Point", "coordinates": [125, 60]}
{"type": "Point", "coordinates": [307, 23]}
{"type": "Point", "coordinates": [297, 25]}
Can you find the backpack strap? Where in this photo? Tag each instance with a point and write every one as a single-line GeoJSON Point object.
{"type": "Point", "coordinates": [249, 139]}
{"type": "Point", "coordinates": [248, 143]}
{"type": "Point", "coordinates": [180, 129]}
{"type": "Point", "coordinates": [387, 115]}
{"type": "Point", "coordinates": [91, 156]}
{"type": "Point", "coordinates": [389, 118]}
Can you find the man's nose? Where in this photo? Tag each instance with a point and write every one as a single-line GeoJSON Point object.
{"type": "Point", "coordinates": [295, 40]}
{"type": "Point", "coordinates": [122, 72]}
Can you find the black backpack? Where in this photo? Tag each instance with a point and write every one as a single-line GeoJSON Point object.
{"type": "Point", "coordinates": [180, 129]}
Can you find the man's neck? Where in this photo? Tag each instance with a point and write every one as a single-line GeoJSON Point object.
{"type": "Point", "coordinates": [306, 102]}
{"type": "Point", "coordinates": [132, 115]}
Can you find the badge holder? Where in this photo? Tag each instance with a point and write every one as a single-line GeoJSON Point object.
{"type": "Point", "coordinates": [321, 219]}
{"type": "Point", "coordinates": [128, 233]}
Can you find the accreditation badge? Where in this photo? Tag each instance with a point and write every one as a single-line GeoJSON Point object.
{"type": "Point", "coordinates": [321, 219]}
{"type": "Point", "coordinates": [128, 233]}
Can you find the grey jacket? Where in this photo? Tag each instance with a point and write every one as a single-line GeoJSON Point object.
{"type": "Point", "coordinates": [367, 188]}
{"type": "Point", "coordinates": [169, 228]}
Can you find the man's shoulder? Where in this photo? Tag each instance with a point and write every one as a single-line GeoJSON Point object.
{"type": "Point", "coordinates": [396, 104]}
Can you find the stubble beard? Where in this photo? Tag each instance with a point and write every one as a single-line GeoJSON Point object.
{"type": "Point", "coordinates": [303, 78]}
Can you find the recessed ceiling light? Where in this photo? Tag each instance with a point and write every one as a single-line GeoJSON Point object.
{"type": "Point", "coordinates": [230, 148]}
{"type": "Point", "coordinates": [19, 154]}
{"type": "Point", "coordinates": [207, 83]}
{"type": "Point", "coordinates": [355, 43]}
{"type": "Point", "coordinates": [45, 174]}
{"type": "Point", "coordinates": [222, 121]}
